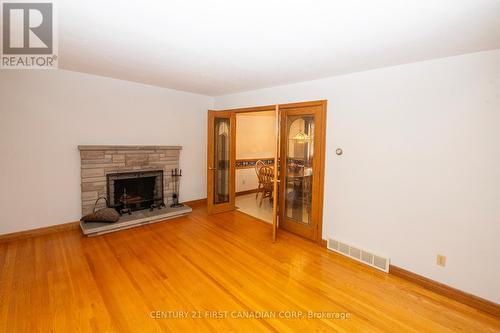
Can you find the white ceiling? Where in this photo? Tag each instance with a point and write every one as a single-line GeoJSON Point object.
{"type": "Point", "coordinates": [221, 47]}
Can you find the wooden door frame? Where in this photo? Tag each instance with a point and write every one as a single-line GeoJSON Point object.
{"type": "Point", "coordinates": [321, 150]}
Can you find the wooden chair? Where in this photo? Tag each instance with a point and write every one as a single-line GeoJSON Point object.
{"type": "Point", "coordinates": [259, 164]}
{"type": "Point", "coordinates": [266, 174]}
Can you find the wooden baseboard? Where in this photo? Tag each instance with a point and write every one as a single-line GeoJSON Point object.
{"type": "Point", "coordinates": [445, 290]}
{"type": "Point", "coordinates": [255, 190]}
{"type": "Point", "coordinates": [63, 227]}
{"type": "Point", "coordinates": [196, 202]}
{"type": "Point", "coordinates": [323, 243]}
{"type": "Point", "coordinates": [39, 231]}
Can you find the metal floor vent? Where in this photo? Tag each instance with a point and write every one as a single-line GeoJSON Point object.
{"type": "Point", "coordinates": [360, 255]}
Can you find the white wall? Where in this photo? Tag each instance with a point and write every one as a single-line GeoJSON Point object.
{"type": "Point", "coordinates": [45, 115]}
{"type": "Point", "coordinates": [246, 180]}
{"type": "Point", "coordinates": [420, 174]}
{"type": "Point", "coordinates": [254, 139]}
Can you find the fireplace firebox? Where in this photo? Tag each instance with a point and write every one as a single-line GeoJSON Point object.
{"type": "Point", "coordinates": [131, 191]}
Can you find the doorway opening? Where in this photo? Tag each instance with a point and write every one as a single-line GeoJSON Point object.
{"type": "Point", "coordinates": [255, 148]}
{"type": "Point", "coordinates": [267, 162]}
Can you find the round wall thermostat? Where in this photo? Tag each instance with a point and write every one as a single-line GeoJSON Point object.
{"type": "Point", "coordinates": [338, 151]}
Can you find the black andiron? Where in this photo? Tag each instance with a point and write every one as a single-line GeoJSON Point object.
{"type": "Point", "coordinates": [176, 177]}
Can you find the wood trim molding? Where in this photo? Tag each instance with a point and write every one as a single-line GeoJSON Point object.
{"type": "Point", "coordinates": [195, 202]}
{"type": "Point", "coordinates": [445, 290]}
{"type": "Point", "coordinates": [321, 192]}
{"type": "Point", "coordinates": [323, 243]}
{"type": "Point", "coordinates": [19, 235]}
{"type": "Point", "coordinates": [273, 106]}
{"type": "Point", "coordinates": [251, 109]}
{"type": "Point", "coordinates": [255, 190]}
{"type": "Point", "coordinates": [39, 231]}
{"type": "Point", "coordinates": [321, 103]}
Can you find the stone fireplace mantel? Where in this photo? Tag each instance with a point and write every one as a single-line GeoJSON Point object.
{"type": "Point", "coordinates": [99, 160]}
{"type": "Point", "coordinates": [131, 147]}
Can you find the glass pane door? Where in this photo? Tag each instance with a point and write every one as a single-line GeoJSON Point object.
{"type": "Point", "coordinates": [221, 162]}
{"type": "Point", "coordinates": [299, 168]}
{"type": "Point", "coordinates": [221, 159]}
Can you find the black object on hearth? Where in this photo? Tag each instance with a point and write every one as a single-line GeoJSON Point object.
{"type": "Point", "coordinates": [176, 177]}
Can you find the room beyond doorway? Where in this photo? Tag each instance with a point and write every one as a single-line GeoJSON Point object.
{"type": "Point", "coordinates": [249, 204]}
{"type": "Point", "coordinates": [255, 145]}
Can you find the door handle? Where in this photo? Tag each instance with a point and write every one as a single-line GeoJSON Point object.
{"type": "Point", "coordinates": [210, 168]}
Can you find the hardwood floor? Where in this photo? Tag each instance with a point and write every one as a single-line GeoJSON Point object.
{"type": "Point", "coordinates": [63, 282]}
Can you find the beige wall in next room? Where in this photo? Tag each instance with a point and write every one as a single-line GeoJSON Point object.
{"type": "Point", "coordinates": [254, 139]}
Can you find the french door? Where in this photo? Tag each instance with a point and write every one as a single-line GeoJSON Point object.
{"type": "Point", "coordinates": [299, 165]}
{"type": "Point", "coordinates": [221, 161]}
{"type": "Point", "coordinates": [301, 168]}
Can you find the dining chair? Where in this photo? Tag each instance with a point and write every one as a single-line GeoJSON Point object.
{"type": "Point", "coordinates": [259, 164]}
{"type": "Point", "coordinates": [266, 174]}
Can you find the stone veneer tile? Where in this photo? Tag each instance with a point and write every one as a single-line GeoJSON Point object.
{"type": "Point", "coordinates": [154, 157]}
{"type": "Point", "coordinates": [132, 160]}
{"type": "Point", "coordinates": [140, 152]}
{"type": "Point", "coordinates": [172, 153]}
{"type": "Point", "coordinates": [92, 155]}
{"type": "Point", "coordinates": [96, 186]}
{"type": "Point", "coordinates": [97, 161]}
{"type": "Point", "coordinates": [93, 179]}
{"type": "Point", "coordinates": [92, 195]}
{"type": "Point", "coordinates": [118, 158]}
{"type": "Point", "coordinates": [169, 158]}
{"type": "Point", "coordinates": [86, 173]}
{"type": "Point", "coordinates": [102, 165]}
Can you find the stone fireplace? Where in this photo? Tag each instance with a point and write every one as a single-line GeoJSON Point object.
{"type": "Point", "coordinates": [143, 171]}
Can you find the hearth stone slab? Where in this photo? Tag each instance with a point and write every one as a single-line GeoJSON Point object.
{"type": "Point", "coordinates": [137, 218]}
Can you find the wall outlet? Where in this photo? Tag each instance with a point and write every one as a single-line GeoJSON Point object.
{"type": "Point", "coordinates": [441, 260]}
